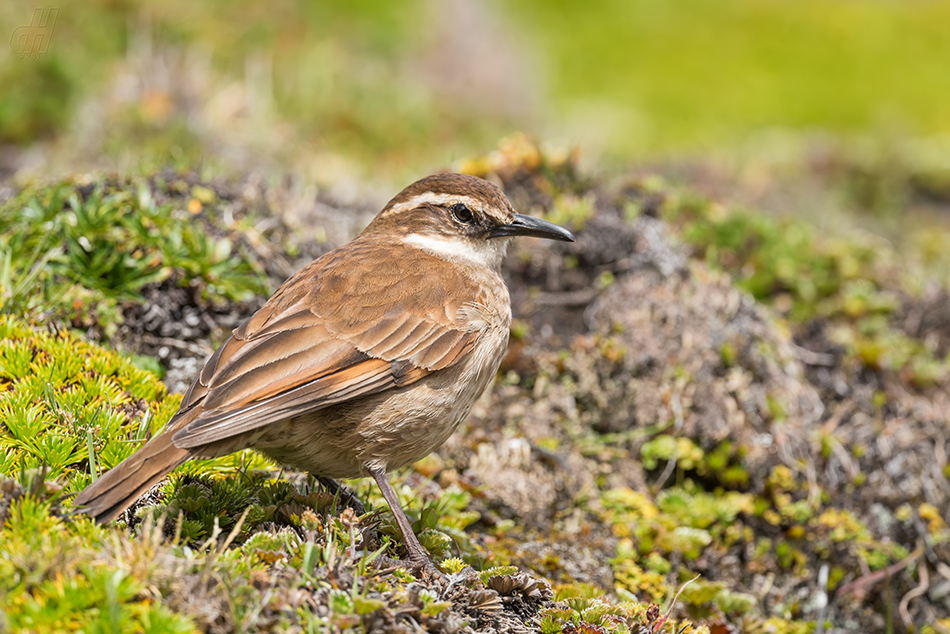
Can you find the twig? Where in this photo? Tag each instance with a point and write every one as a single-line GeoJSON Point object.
{"type": "Point", "coordinates": [842, 454]}
{"type": "Point", "coordinates": [921, 588]}
{"type": "Point", "coordinates": [669, 610]}
{"type": "Point", "coordinates": [667, 472]}
{"type": "Point", "coordinates": [940, 453]}
{"type": "Point", "coordinates": [677, 406]}
{"type": "Point", "coordinates": [810, 357]}
{"type": "Point", "coordinates": [234, 531]}
{"type": "Point", "coordinates": [859, 585]}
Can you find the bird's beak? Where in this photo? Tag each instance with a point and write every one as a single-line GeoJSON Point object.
{"type": "Point", "coordinates": [530, 226]}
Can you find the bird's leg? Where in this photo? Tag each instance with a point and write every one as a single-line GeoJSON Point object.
{"type": "Point", "coordinates": [419, 561]}
{"type": "Point", "coordinates": [346, 496]}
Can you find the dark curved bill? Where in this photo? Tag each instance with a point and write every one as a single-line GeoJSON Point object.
{"type": "Point", "coordinates": [534, 227]}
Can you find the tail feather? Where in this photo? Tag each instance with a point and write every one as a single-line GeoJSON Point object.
{"type": "Point", "coordinates": [118, 488]}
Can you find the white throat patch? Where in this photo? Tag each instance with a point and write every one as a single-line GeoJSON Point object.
{"type": "Point", "coordinates": [481, 252]}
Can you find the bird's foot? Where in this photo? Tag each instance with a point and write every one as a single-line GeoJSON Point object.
{"type": "Point", "coordinates": [346, 496]}
{"type": "Point", "coordinates": [424, 569]}
{"type": "Point", "coordinates": [420, 568]}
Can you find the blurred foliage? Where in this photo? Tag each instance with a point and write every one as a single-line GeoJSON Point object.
{"type": "Point", "coordinates": [175, 79]}
{"type": "Point", "coordinates": [41, 104]}
{"type": "Point", "coordinates": [859, 284]}
{"type": "Point", "coordinates": [657, 75]}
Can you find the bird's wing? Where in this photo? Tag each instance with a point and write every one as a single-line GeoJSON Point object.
{"type": "Point", "coordinates": [331, 333]}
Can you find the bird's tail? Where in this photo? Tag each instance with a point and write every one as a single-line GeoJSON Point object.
{"type": "Point", "coordinates": [118, 488]}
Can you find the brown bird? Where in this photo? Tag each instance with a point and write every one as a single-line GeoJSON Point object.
{"type": "Point", "coordinates": [363, 362]}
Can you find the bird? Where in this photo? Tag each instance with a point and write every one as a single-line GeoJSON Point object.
{"type": "Point", "coordinates": [363, 362]}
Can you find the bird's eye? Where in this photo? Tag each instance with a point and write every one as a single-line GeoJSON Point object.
{"type": "Point", "coordinates": [462, 213]}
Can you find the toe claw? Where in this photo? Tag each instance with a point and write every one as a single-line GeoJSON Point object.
{"type": "Point", "coordinates": [424, 569]}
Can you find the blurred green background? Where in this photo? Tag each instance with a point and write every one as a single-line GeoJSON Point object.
{"type": "Point", "coordinates": [349, 89]}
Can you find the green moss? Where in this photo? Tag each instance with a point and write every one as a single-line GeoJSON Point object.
{"type": "Point", "coordinates": [69, 403]}
{"type": "Point", "coordinates": [853, 283]}
{"type": "Point", "coordinates": [727, 353]}
{"type": "Point", "coordinates": [571, 211]}
{"type": "Point", "coordinates": [57, 576]}
{"type": "Point", "coordinates": [595, 615]}
{"type": "Point", "coordinates": [678, 524]}
{"type": "Point", "coordinates": [75, 252]}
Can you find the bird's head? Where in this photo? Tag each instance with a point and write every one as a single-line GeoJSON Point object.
{"type": "Point", "coordinates": [459, 218]}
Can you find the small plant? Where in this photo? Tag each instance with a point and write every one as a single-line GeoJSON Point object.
{"type": "Point", "coordinates": [71, 407]}
{"type": "Point", "coordinates": [75, 252]}
{"type": "Point", "coordinates": [855, 284]}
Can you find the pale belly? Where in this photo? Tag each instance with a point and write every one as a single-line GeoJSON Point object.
{"type": "Point", "coordinates": [389, 430]}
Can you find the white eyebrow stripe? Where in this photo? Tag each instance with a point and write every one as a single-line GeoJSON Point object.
{"type": "Point", "coordinates": [430, 198]}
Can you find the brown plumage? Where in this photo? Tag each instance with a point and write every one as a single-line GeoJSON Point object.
{"type": "Point", "coordinates": [363, 362]}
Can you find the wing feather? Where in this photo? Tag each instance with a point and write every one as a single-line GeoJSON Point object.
{"type": "Point", "coordinates": [333, 332]}
{"type": "Point", "coordinates": [368, 377]}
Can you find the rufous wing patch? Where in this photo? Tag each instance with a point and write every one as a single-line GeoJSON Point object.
{"type": "Point", "coordinates": [331, 333]}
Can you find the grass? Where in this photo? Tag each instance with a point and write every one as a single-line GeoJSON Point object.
{"type": "Point", "coordinates": [75, 252]}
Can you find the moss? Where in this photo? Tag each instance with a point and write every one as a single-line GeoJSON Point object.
{"type": "Point", "coordinates": [75, 252]}
{"type": "Point", "coordinates": [849, 282]}
{"type": "Point", "coordinates": [780, 625]}
{"type": "Point", "coordinates": [71, 407]}
{"type": "Point", "coordinates": [595, 615]}
{"type": "Point", "coordinates": [637, 581]}
{"type": "Point", "coordinates": [676, 525]}
{"type": "Point", "coordinates": [58, 575]}
{"type": "Point", "coordinates": [935, 521]}
{"type": "Point", "coordinates": [69, 404]}
{"type": "Point", "coordinates": [571, 211]}
{"type": "Point", "coordinates": [727, 353]}
{"type": "Point", "coordinates": [841, 525]}
{"type": "Point", "coordinates": [943, 625]}
{"type": "Point", "coordinates": [722, 500]}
